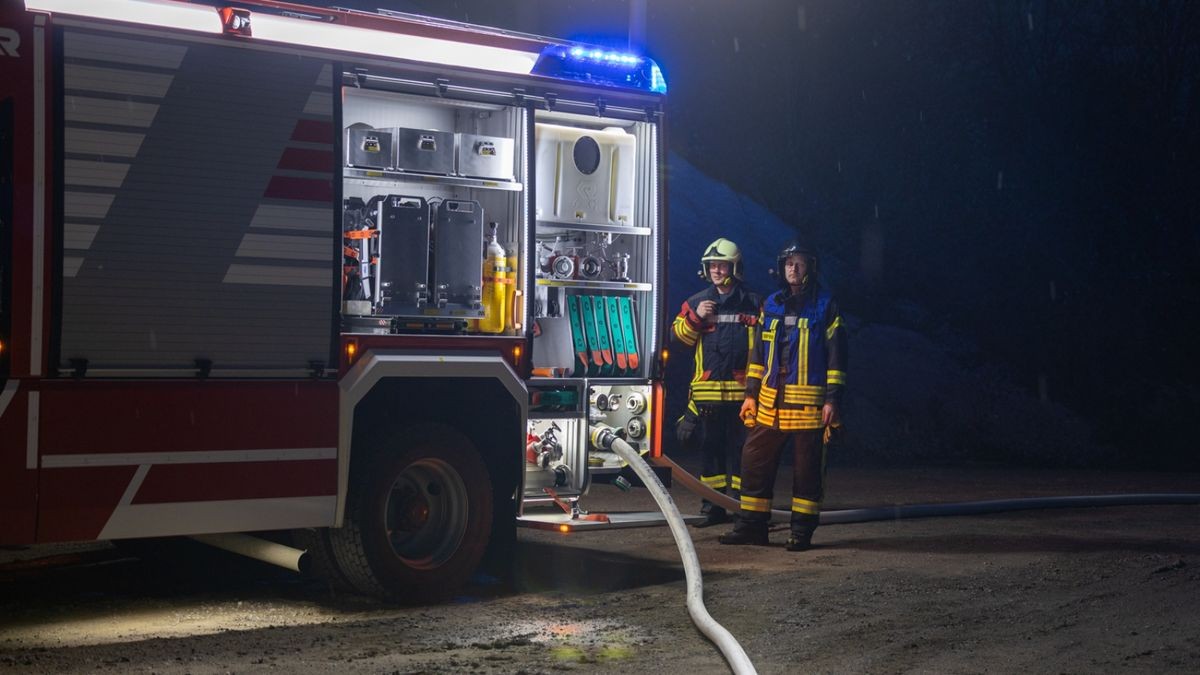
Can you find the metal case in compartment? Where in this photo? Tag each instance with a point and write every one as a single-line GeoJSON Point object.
{"type": "Point", "coordinates": [458, 259]}
{"type": "Point", "coordinates": [424, 151]}
{"type": "Point", "coordinates": [368, 148]}
{"type": "Point", "coordinates": [485, 156]}
{"type": "Point", "coordinates": [404, 254]}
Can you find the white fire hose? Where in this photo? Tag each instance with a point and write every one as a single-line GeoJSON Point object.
{"type": "Point", "coordinates": [606, 438]}
{"type": "Point", "coordinates": [847, 516]}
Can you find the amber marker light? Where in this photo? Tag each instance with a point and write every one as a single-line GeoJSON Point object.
{"type": "Point", "coordinates": [516, 352]}
{"type": "Point", "coordinates": [564, 528]}
{"type": "Point", "coordinates": [351, 350]}
{"type": "Point", "coordinates": [664, 356]}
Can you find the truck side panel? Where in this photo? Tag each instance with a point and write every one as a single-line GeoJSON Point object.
{"type": "Point", "coordinates": [138, 459]}
{"type": "Point", "coordinates": [198, 205]}
{"type": "Point", "coordinates": [23, 63]}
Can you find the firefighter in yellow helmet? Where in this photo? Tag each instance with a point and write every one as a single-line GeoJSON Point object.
{"type": "Point", "coordinates": [717, 322]}
{"type": "Point", "coordinates": [793, 388]}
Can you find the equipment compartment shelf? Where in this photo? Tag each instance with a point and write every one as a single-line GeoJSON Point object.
{"type": "Point", "coordinates": [546, 226]}
{"type": "Point", "coordinates": [598, 285]}
{"type": "Point", "coordinates": [369, 177]}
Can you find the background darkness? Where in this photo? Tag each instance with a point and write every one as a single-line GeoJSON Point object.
{"type": "Point", "coordinates": [1023, 175]}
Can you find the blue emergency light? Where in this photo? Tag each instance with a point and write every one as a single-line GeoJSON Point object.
{"type": "Point", "coordinates": [596, 65]}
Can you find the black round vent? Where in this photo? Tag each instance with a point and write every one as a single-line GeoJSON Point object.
{"type": "Point", "coordinates": [587, 155]}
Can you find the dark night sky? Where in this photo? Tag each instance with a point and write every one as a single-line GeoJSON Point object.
{"type": "Point", "coordinates": [1023, 174]}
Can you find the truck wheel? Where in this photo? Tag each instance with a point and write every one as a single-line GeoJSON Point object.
{"type": "Point", "coordinates": [417, 520]}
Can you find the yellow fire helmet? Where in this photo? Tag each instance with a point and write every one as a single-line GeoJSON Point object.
{"type": "Point", "coordinates": [722, 250]}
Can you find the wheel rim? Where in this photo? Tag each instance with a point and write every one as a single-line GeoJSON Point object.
{"type": "Point", "coordinates": [426, 514]}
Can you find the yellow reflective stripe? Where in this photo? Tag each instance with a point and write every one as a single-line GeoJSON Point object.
{"type": "Point", "coordinates": [799, 425]}
{"type": "Point", "coordinates": [715, 482]}
{"type": "Point", "coordinates": [693, 408]}
{"type": "Point", "coordinates": [685, 332]}
{"type": "Point", "coordinates": [718, 385]}
{"type": "Point", "coordinates": [769, 336]}
{"type": "Point", "coordinates": [802, 351]}
{"type": "Point", "coordinates": [699, 371]}
{"type": "Point", "coordinates": [806, 506]}
{"type": "Point", "coordinates": [756, 504]}
{"type": "Point", "coordinates": [756, 371]}
{"type": "Point", "coordinates": [803, 394]}
{"type": "Point", "coordinates": [711, 396]}
{"type": "Point", "coordinates": [835, 377]}
{"type": "Point", "coordinates": [837, 323]}
{"type": "Point", "coordinates": [766, 396]}
{"type": "Point", "coordinates": [765, 416]}
{"type": "Point", "coordinates": [799, 414]}
{"type": "Point", "coordinates": [736, 483]}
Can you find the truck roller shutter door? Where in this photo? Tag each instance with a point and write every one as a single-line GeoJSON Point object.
{"type": "Point", "coordinates": [198, 217]}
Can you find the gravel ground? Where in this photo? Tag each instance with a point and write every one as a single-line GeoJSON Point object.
{"type": "Point", "coordinates": [1055, 591]}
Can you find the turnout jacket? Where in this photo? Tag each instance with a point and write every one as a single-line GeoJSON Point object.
{"type": "Point", "coordinates": [797, 359]}
{"type": "Point", "coordinates": [722, 346]}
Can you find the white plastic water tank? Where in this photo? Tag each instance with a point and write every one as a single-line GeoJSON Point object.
{"type": "Point", "coordinates": [585, 175]}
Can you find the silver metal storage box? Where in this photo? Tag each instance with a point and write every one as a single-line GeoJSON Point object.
{"type": "Point", "coordinates": [368, 148]}
{"type": "Point", "coordinates": [485, 156]}
{"type": "Point", "coordinates": [424, 151]}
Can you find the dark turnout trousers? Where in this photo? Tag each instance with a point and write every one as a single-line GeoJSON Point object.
{"type": "Point", "coordinates": [760, 462]}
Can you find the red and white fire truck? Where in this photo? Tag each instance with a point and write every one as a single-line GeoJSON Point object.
{"type": "Point", "coordinates": [366, 278]}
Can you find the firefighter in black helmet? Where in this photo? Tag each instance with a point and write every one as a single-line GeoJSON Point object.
{"type": "Point", "coordinates": [793, 388]}
{"type": "Point", "coordinates": [717, 322]}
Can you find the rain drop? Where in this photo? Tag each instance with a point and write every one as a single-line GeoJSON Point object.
{"type": "Point", "coordinates": [801, 18]}
{"type": "Point", "coordinates": [736, 46]}
{"type": "Point", "coordinates": [999, 180]}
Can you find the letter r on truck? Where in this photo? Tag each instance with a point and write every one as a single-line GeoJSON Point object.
{"type": "Point", "coordinates": [9, 41]}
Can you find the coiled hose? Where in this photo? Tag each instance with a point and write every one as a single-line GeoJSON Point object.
{"type": "Point", "coordinates": [606, 438]}
{"type": "Point", "coordinates": [867, 515]}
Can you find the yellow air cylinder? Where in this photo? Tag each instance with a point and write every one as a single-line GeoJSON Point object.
{"type": "Point", "coordinates": [495, 294]}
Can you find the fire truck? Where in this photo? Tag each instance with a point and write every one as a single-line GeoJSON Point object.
{"type": "Point", "coordinates": [364, 278]}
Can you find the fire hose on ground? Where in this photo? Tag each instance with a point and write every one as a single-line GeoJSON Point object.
{"type": "Point", "coordinates": [606, 437]}
{"type": "Point", "coordinates": [878, 513]}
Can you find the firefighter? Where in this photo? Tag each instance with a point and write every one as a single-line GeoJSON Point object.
{"type": "Point", "coordinates": [717, 322]}
{"type": "Point", "coordinates": [793, 387]}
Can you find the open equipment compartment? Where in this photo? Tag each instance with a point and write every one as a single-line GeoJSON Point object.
{"type": "Point", "coordinates": [432, 234]}
{"type": "Point", "coordinates": [596, 294]}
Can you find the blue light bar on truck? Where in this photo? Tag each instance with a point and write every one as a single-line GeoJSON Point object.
{"type": "Point", "coordinates": [595, 65]}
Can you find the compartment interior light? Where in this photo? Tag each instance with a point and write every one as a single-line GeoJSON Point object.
{"type": "Point", "coordinates": [197, 18]}
{"type": "Point", "coordinates": [295, 31]}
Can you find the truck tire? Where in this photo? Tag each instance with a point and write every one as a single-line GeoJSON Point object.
{"type": "Point", "coordinates": [417, 519]}
{"type": "Point", "coordinates": [322, 564]}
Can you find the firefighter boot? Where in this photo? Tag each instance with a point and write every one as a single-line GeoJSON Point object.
{"type": "Point", "coordinates": [800, 540]}
{"type": "Point", "coordinates": [746, 532]}
{"type": "Point", "coordinates": [802, 528]}
{"type": "Point", "coordinates": [713, 515]}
